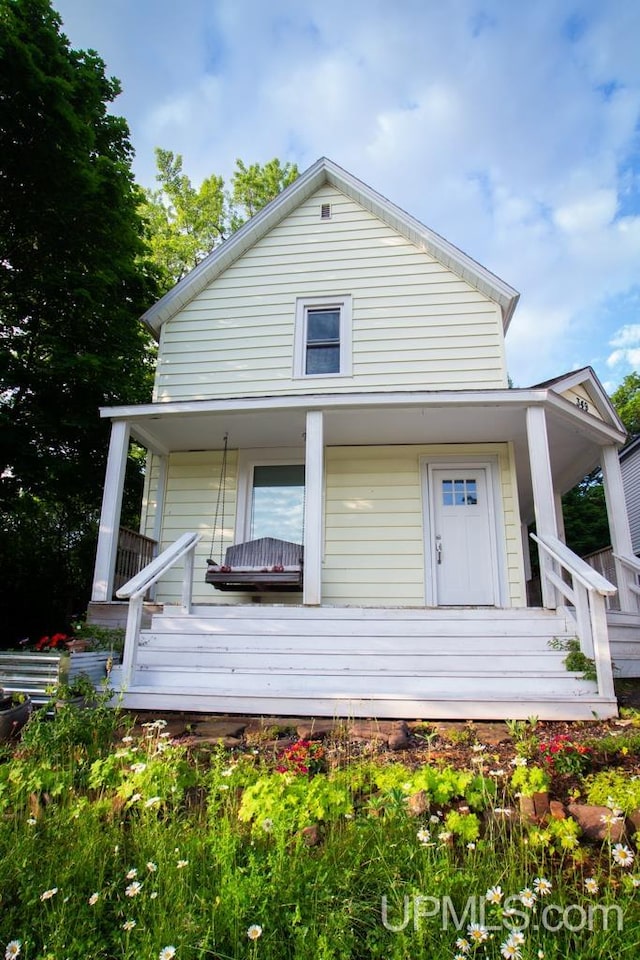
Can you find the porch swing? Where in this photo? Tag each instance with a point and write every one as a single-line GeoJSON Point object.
{"type": "Point", "coordinates": [256, 566]}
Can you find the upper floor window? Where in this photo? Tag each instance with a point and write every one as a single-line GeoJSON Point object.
{"type": "Point", "coordinates": [323, 337]}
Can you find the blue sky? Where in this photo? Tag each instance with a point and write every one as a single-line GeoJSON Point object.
{"type": "Point", "coordinates": [509, 127]}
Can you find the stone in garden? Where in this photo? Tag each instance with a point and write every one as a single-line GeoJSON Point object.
{"type": "Point", "coordinates": [418, 803]}
{"type": "Point", "coordinates": [398, 740]}
{"type": "Point", "coordinates": [311, 835]}
{"type": "Point", "coordinates": [593, 821]}
{"type": "Point", "coordinates": [527, 809]}
{"type": "Point", "coordinates": [213, 729]}
{"type": "Point", "coordinates": [634, 819]}
{"type": "Point", "coordinates": [315, 729]}
{"type": "Point", "coordinates": [492, 734]}
{"type": "Point", "coordinates": [372, 730]}
{"type": "Point", "coordinates": [541, 805]}
{"type": "Point", "coordinates": [557, 810]}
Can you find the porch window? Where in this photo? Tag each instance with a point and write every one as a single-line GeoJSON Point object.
{"type": "Point", "coordinates": [323, 337]}
{"type": "Point", "coordinates": [277, 502]}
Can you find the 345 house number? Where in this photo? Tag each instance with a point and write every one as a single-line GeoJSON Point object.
{"type": "Point", "coordinates": [582, 404]}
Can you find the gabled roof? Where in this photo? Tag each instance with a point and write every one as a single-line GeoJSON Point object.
{"type": "Point", "coordinates": [633, 446]}
{"type": "Point", "coordinates": [586, 377]}
{"type": "Point", "coordinates": [326, 172]}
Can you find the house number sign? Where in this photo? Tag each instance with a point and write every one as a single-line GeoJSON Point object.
{"type": "Point", "coordinates": [582, 404]}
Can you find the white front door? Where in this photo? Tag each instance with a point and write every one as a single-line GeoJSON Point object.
{"type": "Point", "coordinates": [462, 534]}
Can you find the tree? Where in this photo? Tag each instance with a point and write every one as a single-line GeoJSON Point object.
{"type": "Point", "coordinates": [184, 224]}
{"type": "Point", "coordinates": [73, 282]}
{"type": "Point", "coordinates": [585, 516]}
{"type": "Point", "coordinates": [626, 400]}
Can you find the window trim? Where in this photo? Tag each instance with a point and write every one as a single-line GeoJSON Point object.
{"type": "Point", "coordinates": [247, 460]}
{"type": "Point", "coordinates": [303, 305]}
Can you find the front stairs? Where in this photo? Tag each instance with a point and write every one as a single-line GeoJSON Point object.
{"type": "Point", "coordinates": [359, 662]}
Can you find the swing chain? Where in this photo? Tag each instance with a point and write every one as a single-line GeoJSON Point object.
{"type": "Point", "coordinates": [220, 505]}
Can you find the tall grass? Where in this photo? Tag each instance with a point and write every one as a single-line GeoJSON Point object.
{"type": "Point", "coordinates": [133, 849]}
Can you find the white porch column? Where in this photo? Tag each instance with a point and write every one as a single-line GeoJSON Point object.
{"type": "Point", "coordinates": [543, 495]}
{"type": "Point", "coordinates": [111, 509]}
{"type": "Point", "coordinates": [313, 508]}
{"type": "Point", "coordinates": [618, 523]}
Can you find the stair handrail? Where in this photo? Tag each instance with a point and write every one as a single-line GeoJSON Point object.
{"type": "Point", "coordinates": [135, 590]}
{"type": "Point", "coordinates": [587, 592]}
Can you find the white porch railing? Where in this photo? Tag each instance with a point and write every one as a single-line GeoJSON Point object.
{"type": "Point", "coordinates": [613, 566]}
{"type": "Point", "coordinates": [632, 568]}
{"type": "Point", "coordinates": [586, 591]}
{"type": "Point", "coordinates": [135, 590]}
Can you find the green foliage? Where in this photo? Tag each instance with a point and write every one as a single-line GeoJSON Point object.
{"type": "Point", "coordinates": [292, 802]}
{"type": "Point", "coordinates": [466, 826]}
{"type": "Point", "coordinates": [564, 833]}
{"type": "Point", "coordinates": [614, 788]}
{"type": "Point", "coordinates": [576, 661]}
{"type": "Point", "coordinates": [528, 780]}
{"type": "Point", "coordinates": [185, 223]}
{"type": "Point", "coordinates": [585, 516]}
{"type": "Point", "coordinates": [110, 639]}
{"type": "Point", "coordinates": [73, 282]}
{"type": "Point", "coordinates": [626, 400]}
{"type": "Point", "coordinates": [93, 870]}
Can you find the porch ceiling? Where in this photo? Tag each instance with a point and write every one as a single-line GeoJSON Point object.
{"type": "Point", "coordinates": [575, 438]}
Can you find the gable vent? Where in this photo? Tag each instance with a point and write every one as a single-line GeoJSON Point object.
{"type": "Point", "coordinates": [325, 211]}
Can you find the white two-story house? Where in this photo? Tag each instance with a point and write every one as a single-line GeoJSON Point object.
{"type": "Point", "coordinates": [340, 482]}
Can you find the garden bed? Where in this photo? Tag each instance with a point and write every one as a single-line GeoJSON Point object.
{"type": "Point", "coordinates": [225, 837]}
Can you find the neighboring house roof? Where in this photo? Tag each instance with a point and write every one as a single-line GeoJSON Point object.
{"type": "Point", "coordinates": [323, 172]}
{"type": "Point", "coordinates": [586, 378]}
{"type": "Point", "coordinates": [632, 447]}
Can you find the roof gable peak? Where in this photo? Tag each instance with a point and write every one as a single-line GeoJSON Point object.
{"type": "Point", "coordinates": [325, 171]}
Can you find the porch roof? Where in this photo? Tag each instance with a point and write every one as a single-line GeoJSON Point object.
{"type": "Point", "coordinates": [397, 417]}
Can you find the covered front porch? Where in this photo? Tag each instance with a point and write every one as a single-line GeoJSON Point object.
{"type": "Point", "coordinates": [397, 650]}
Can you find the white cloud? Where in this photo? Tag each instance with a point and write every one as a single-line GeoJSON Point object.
{"type": "Point", "coordinates": [508, 128]}
{"type": "Point", "coordinates": [588, 214]}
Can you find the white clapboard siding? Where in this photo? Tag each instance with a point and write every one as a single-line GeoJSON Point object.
{"type": "Point", "coordinates": [236, 337]}
{"type": "Point", "coordinates": [630, 468]}
{"type": "Point", "coordinates": [374, 531]}
{"type": "Point", "coordinates": [472, 664]}
{"type": "Point", "coordinates": [624, 641]}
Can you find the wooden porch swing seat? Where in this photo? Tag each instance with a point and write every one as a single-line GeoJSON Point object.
{"type": "Point", "coordinates": [259, 565]}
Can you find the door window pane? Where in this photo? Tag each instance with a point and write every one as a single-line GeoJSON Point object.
{"type": "Point", "coordinates": [459, 493]}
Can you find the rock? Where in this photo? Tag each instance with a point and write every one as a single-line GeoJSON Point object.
{"type": "Point", "coordinates": [634, 820]}
{"type": "Point", "coordinates": [592, 822]}
{"type": "Point", "coordinates": [371, 730]}
{"type": "Point", "coordinates": [213, 729]}
{"type": "Point", "coordinates": [541, 805]}
{"type": "Point", "coordinates": [311, 835]}
{"type": "Point", "coordinates": [492, 734]}
{"type": "Point", "coordinates": [418, 803]}
{"type": "Point", "coordinates": [316, 729]}
{"type": "Point", "coordinates": [398, 741]}
{"type": "Point", "coordinates": [527, 809]}
{"type": "Point", "coordinates": [557, 810]}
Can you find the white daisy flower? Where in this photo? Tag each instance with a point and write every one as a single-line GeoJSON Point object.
{"type": "Point", "coordinates": [542, 886]}
{"type": "Point", "coordinates": [133, 889]}
{"type": "Point", "coordinates": [12, 949]}
{"type": "Point", "coordinates": [622, 855]}
{"type": "Point", "coordinates": [93, 899]}
{"type": "Point", "coordinates": [128, 925]}
{"type": "Point", "coordinates": [477, 933]}
{"type": "Point", "coordinates": [49, 893]}
{"type": "Point", "coordinates": [591, 885]}
{"type": "Point", "coordinates": [254, 931]}
{"type": "Point", "coordinates": [494, 895]}
{"type": "Point", "coordinates": [167, 953]}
